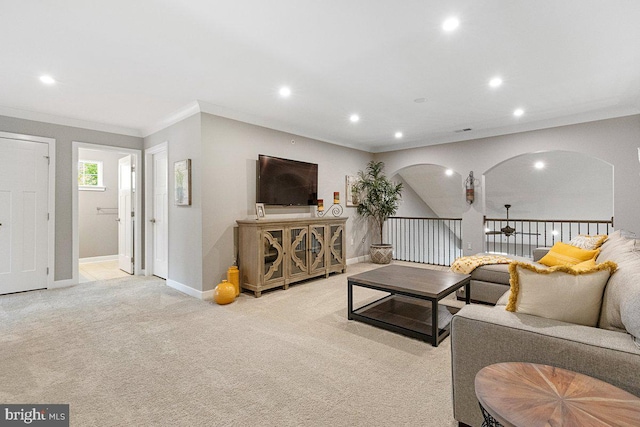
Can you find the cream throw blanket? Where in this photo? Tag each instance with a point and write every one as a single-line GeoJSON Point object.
{"type": "Point", "coordinates": [467, 264]}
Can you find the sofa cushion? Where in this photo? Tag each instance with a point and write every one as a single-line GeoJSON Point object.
{"type": "Point", "coordinates": [495, 273]}
{"type": "Point", "coordinates": [565, 254]}
{"type": "Point", "coordinates": [623, 285]}
{"type": "Point", "coordinates": [562, 293]}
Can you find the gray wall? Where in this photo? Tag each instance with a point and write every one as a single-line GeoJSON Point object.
{"type": "Point", "coordinates": [230, 151]}
{"type": "Point", "coordinates": [98, 230]}
{"type": "Point", "coordinates": [615, 141]}
{"type": "Point", "coordinates": [65, 172]}
{"type": "Point", "coordinates": [412, 205]}
{"type": "Point", "coordinates": [185, 222]}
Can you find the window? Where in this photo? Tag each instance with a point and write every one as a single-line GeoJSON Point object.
{"type": "Point", "coordinates": [90, 175]}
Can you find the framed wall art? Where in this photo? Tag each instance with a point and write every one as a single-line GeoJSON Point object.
{"type": "Point", "coordinates": [182, 182]}
{"type": "Point", "coordinates": [351, 195]}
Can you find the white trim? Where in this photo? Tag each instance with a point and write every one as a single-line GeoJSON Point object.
{"type": "Point", "coordinates": [137, 248]}
{"type": "Point", "coordinates": [187, 111]}
{"type": "Point", "coordinates": [91, 188]}
{"type": "Point", "coordinates": [206, 295]}
{"type": "Point", "coordinates": [102, 258]}
{"type": "Point", "coordinates": [63, 284]}
{"type": "Point", "coordinates": [359, 259]}
{"type": "Point", "coordinates": [148, 203]}
{"type": "Point", "coordinates": [51, 226]}
{"type": "Point", "coordinates": [67, 121]}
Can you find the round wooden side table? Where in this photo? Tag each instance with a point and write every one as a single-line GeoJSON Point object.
{"type": "Point", "coordinates": [527, 395]}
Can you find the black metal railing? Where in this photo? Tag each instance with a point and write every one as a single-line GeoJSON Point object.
{"type": "Point", "coordinates": [529, 234]}
{"type": "Point", "coordinates": [435, 241]}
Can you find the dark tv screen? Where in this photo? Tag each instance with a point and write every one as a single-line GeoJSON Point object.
{"type": "Point", "coordinates": [286, 182]}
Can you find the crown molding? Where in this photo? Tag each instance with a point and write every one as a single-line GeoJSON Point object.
{"type": "Point", "coordinates": [177, 116]}
{"type": "Point", "coordinates": [67, 121]}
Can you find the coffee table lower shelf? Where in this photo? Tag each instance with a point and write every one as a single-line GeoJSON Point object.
{"type": "Point", "coordinates": [405, 315]}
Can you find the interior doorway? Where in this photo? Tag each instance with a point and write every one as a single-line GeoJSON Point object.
{"type": "Point", "coordinates": [106, 207]}
{"type": "Point", "coordinates": [157, 211]}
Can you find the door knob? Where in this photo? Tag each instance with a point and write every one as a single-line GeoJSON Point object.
{"type": "Point", "coordinates": [152, 220]}
{"type": "Point", "coordinates": [118, 220]}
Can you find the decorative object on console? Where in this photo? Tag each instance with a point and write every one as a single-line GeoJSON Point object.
{"type": "Point", "coordinates": [260, 210]}
{"type": "Point", "coordinates": [379, 199]}
{"type": "Point", "coordinates": [335, 209]}
{"type": "Point", "coordinates": [182, 182]}
{"type": "Point", "coordinates": [224, 293]}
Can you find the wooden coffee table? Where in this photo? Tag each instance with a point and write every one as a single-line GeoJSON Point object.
{"type": "Point", "coordinates": [411, 308]}
{"type": "Point", "coordinates": [526, 394]}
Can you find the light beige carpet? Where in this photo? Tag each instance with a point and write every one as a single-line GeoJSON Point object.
{"type": "Point", "coordinates": [133, 351]}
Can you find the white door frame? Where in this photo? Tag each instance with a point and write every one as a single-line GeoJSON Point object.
{"type": "Point", "coordinates": [137, 245]}
{"type": "Point", "coordinates": [51, 231]}
{"type": "Point", "coordinates": [148, 203]}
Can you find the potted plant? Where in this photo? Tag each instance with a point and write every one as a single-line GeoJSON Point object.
{"type": "Point", "coordinates": [378, 198]}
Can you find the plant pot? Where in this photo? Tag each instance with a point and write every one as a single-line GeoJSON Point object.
{"type": "Point", "coordinates": [381, 254]}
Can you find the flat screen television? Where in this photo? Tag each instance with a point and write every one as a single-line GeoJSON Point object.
{"type": "Point", "coordinates": [286, 182]}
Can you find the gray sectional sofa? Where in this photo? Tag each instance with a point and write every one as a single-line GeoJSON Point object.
{"type": "Point", "coordinates": [482, 335]}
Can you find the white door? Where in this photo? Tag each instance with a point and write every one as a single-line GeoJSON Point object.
{"type": "Point", "coordinates": [24, 183]}
{"type": "Point", "coordinates": [125, 215]}
{"type": "Point", "coordinates": [159, 220]}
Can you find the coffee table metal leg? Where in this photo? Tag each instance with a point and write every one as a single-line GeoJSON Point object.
{"type": "Point", "coordinates": [349, 300]}
{"type": "Point", "coordinates": [434, 323]}
{"type": "Point", "coordinates": [467, 292]}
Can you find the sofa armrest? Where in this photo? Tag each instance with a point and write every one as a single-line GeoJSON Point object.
{"type": "Point", "coordinates": [538, 253]}
{"type": "Point", "coordinates": [482, 336]}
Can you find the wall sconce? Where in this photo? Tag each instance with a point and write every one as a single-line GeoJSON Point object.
{"type": "Point", "coordinates": [469, 186]}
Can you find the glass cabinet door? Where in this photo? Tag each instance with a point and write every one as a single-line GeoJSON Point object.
{"type": "Point", "coordinates": [298, 261]}
{"type": "Point", "coordinates": [273, 255]}
{"type": "Point", "coordinates": [336, 255]}
{"type": "Point", "coordinates": [317, 257]}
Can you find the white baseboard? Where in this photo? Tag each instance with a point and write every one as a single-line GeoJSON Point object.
{"type": "Point", "coordinates": [63, 283]}
{"type": "Point", "coordinates": [356, 260]}
{"type": "Point", "coordinates": [98, 259]}
{"type": "Point", "coordinates": [206, 295]}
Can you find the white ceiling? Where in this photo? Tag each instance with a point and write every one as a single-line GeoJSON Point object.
{"type": "Point", "coordinates": [132, 66]}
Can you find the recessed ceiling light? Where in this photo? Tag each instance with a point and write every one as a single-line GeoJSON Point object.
{"type": "Point", "coordinates": [354, 118]}
{"type": "Point", "coordinates": [450, 24]}
{"type": "Point", "coordinates": [419, 100]}
{"type": "Point", "coordinates": [495, 82]}
{"type": "Point", "coordinates": [539, 165]}
{"type": "Point", "coordinates": [398, 135]}
{"type": "Point", "coordinates": [518, 112]}
{"type": "Point", "coordinates": [285, 92]}
{"type": "Point", "coordinates": [448, 172]}
{"type": "Point", "coordinates": [48, 80]}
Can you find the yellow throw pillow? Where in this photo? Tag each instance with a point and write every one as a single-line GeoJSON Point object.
{"type": "Point", "coordinates": [564, 254]}
{"type": "Point", "coordinates": [584, 241]}
{"type": "Point", "coordinates": [562, 292]}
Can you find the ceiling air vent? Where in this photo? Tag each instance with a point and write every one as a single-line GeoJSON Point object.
{"type": "Point", "coordinates": [462, 130]}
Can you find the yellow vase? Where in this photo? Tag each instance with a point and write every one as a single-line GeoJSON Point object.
{"type": "Point", "coordinates": [233, 277]}
{"type": "Point", "coordinates": [224, 293]}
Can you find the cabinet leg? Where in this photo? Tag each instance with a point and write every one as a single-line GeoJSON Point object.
{"type": "Point", "coordinates": [286, 286]}
{"type": "Point", "coordinates": [257, 294]}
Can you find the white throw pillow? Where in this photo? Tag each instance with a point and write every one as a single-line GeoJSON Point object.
{"type": "Point", "coordinates": [561, 293]}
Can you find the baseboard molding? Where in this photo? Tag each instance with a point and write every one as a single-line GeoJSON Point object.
{"type": "Point", "coordinates": [98, 259]}
{"type": "Point", "coordinates": [356, 260]}
{"type": "Point", "coordinates": [206, 295]}
{"type": "Point", "coordinates": [63, 283]}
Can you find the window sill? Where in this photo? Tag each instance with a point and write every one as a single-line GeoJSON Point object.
{"type": "Point", "coordinates": [91, 188]}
